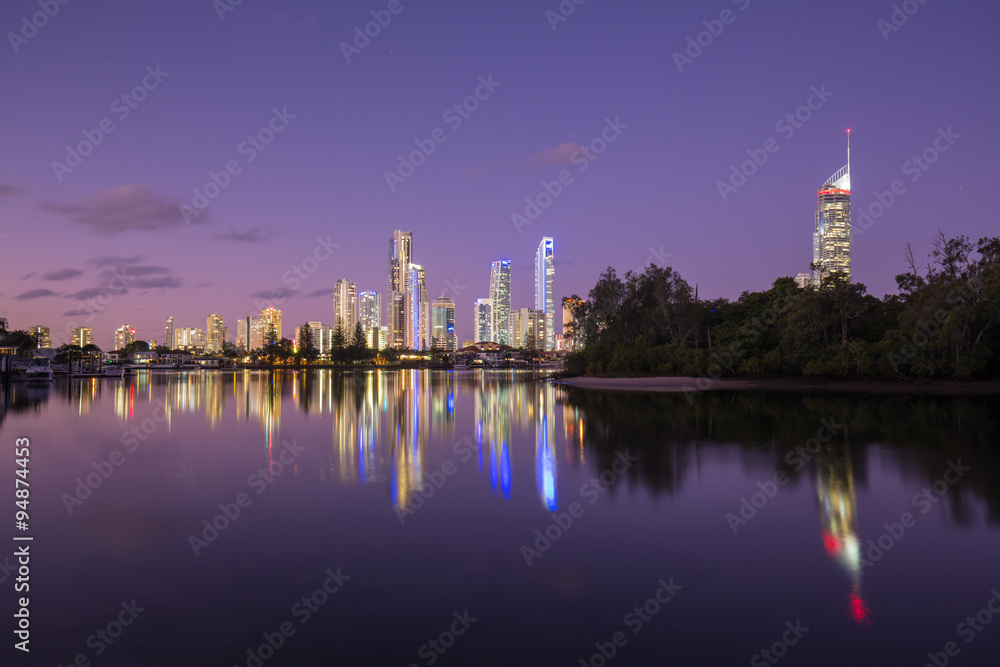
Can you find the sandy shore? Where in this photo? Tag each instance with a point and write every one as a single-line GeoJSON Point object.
{"type": "Point", "coordinates": [682, 384]}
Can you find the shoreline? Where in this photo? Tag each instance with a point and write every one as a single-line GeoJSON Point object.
{"type": "Point", "coordinates": [678, 385]}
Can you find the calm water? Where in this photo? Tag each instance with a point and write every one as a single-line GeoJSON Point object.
{"type": "Point", "coordinates": [627, 507]}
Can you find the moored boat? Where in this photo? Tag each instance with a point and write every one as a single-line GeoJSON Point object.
{"type": "Point", "coordinates": [39, 370]}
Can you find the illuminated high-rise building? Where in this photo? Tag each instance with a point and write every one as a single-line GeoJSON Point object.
{"type": "Point", "coordinates": [41, 335]}
{"type": "Point", "coordinates": [215, 333]}
{"type": "Point", "coordinates": [400, 257]}
{"type": "Point", "coordinates": [545, 299]}
{"type": "Point", "coordinates": [443, 325]}
{"type": "Point", "coordinates": [345, 305]}
{"type": "Point", "coordinates": [269, 321]}
{"type": "Point", "coordinates": [170, 336]}
{"type": "Point", "coordinates": [189, 338]}
{"type": "Point", "coordinates": [418, 312]}
{"type": "Point", "coordinates": [527, 328]}
{"type": "Point", "coordinates": [322, 337]}
{"type": "Point", "coordinates": [832, 234]}
{"type": "Point", "coordinates": [370, 316]}
{"type": "Point", "coordinates": [82, 336]}
{"type": "Point", "coordinates": [123, 336]}
{"type": "Point", "coordinates": [244, 327]}
{"type": "Point", "coordinates": [483, 330]}
{"type": "Point", "coordinates": [567, 322]}
{"type": "Point", "coordinates": [500, 295]}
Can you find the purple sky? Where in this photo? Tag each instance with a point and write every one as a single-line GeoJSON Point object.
{"type": "Point", "coordinates": [654, 188]}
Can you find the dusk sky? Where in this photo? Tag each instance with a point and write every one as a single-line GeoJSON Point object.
{"type": "Point", "coordinates": [652, 193]}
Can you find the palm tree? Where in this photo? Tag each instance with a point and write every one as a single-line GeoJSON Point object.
{"type": "Point", "coordinates": [22, 340]}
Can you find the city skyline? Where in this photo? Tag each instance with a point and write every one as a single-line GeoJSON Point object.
{"type": "Point", "coordinates": [299, 217]}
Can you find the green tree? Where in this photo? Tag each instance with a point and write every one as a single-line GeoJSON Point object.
{"type": "Point", "coordinates": [136, 346]}
{"type": "Point", "coordinates": [338, 342]}
{"type": "Point", "coordinates": [359, 346]}
{"type": "Point", "coordinates": [307, 347]}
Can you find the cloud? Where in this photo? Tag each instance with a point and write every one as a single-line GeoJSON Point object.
{"type": "Point", "coordinates": [252, 235]}
{"type": "Point", "coordinates": [561, 154]}
{"type": "Point", "coordinates": [318, 293]}
{"type": "Point", "coordinates": [122, 209]}
{"type": "Point", "coordinates": [9, 190]}
{"type": "Point", "coordinates": [149, 270]}
{"type": "Point", "coordinates": [111, 260]}
{"type": "Point", "coordinates": [91, 292]}
{"type": "Point", "coordinates": [62, 274]}
{"type": "Point", "coordinates": [150, 283]}
{"type": "Point", "coordinates": [277, 293]}
{"type": "Point", "coordinates": [77, 313]}
{"type": "Point", "coordinates": [35, 294]}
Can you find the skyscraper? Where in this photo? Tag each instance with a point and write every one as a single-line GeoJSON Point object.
{"type": "Point", "coordinates": [545, 299]}
{"type": "Point", "coordinates": [400, 256]}
{"type": "Point", "coordinates": [832, 234]}
{"type": "Point", "coordinates": [443, 325]}
{"type": "Point", "coordinates": [370, 315]}
{"type": "Point", "coordinates": [244, 333]}
{"type": "Point", "coordinates": [41, 335]}
{"type": "Point", "coordinates": [567, 323]}
{"type": "Point", "coordinates": [215, 333]}
{"type": "Point", "coordinates": [82, 336]}
{"type": "Point", "coordinates": [170, 337]}
{"type": "Point", "coordinates": [123, 336]}
{"type": "Point", "coordinates": [500, 295]}
{"type": "Point", "coordinates": [527, 328]}
{"type": "Point", "coordinates": [268, 324]}
{"type": "Point", "coordinates": [345, 305]}
{"type": "Point", "coordinates": [418, 316]}
{"type": "Point", "coordinates": [189, 338]}
{"type": "Point", "coordinates": [483, 330]}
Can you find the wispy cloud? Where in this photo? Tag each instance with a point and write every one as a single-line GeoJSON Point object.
{"type": "Point", "coordinates": [123, 209]}
{"type": "Point", "coordinates": [111, 260]}
{"type": "Point", "coordinates": [561, 154]}
{"type": "Point", "coordinates": [35, 294]}
{"type": "Point", "coordinates": [318, 293]}
{"type": "Point", "coordinates": [62, 274]}
{"type": "Point", "coordinates": [252, 235]}
{"type": "Point", "coordinates": [277, 293]}
{"type": "Point", "coordinates": [77, 313]}
{"type": "Point", "coordinates": [9, 190]}
{"type": "Point", "coordinates": [162, 282]}
{"type": "Point", "coordinates": [91, 292]}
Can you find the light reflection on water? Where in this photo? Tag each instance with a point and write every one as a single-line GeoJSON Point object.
{"type": "Point", "coordinates": [374, 440]}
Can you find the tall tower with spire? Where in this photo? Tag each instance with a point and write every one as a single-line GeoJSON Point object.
{"type": "Point", "coordinates": [832, 234]}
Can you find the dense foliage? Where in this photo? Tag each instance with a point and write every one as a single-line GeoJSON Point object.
{"type": "Point", "coordinates": [943, 323]}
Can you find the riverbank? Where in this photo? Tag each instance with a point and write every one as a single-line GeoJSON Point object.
{"type": "Point", "coordinates": [784, 385]}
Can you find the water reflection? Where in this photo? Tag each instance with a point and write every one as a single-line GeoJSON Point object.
{"type": "Point", "coordinates": [838, 508]}
{"type": "Point", "coordinates": [382, 426]}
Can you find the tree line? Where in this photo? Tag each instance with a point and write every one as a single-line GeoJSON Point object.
{"type": "Point", "coordinates": [944, 323]}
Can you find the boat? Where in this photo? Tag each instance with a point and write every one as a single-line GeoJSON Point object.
{"type": "Point", "coordinates": [190, 366]}
{"type": "Point", "coordinates": [162, 367]}
{"type": "Point", "coordinates": [38, 370]}
{"type": "Point", "coordinates": [113, 371]}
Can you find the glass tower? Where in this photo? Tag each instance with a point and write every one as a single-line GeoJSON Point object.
{"type": "Point", "coordinates": [443, 325]}
{"type": "Point", "coordinates": [400, 256]}
{"type": "Point", "coordinates": [832, 235]}
{"type": "Point", "coordinates": [500, 295]}
{"type": "Point", "coordinates": [545, 300]}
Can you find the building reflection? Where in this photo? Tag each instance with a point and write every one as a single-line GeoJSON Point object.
{"type": "Point", "coordinates": [382, 423]}
{"type": "Point", "coordinates": [493, 403]}
{"type": "Point", "coordinates": [838, 507]}
{"type": "Point", "coordinates": [545, 460]}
